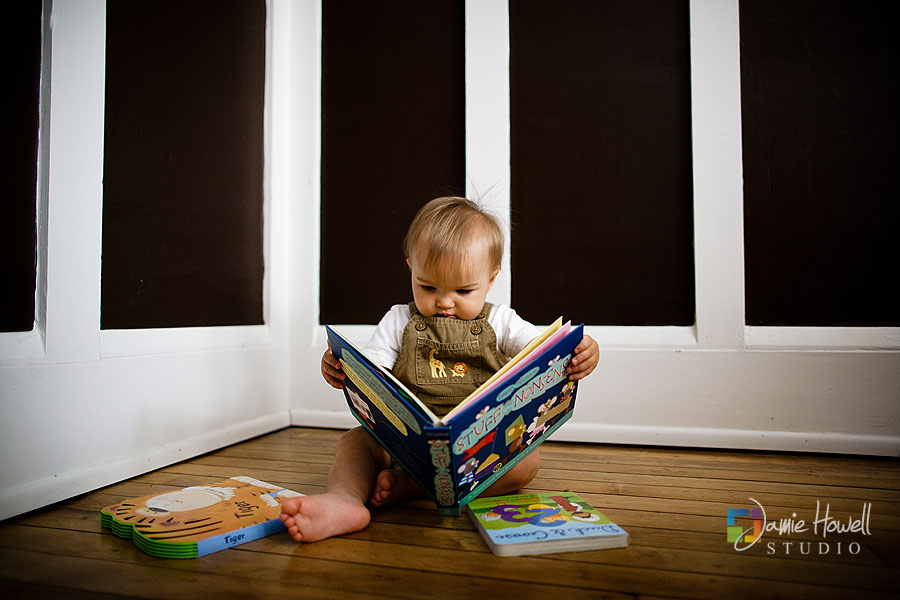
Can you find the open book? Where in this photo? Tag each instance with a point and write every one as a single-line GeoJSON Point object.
{"type": "Point", "coordinates": [456, 457]}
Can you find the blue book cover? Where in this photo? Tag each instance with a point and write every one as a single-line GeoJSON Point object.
{"type": "Point", "coordinates": [543, 523]}
{"type": "Point", "coordinates": [457, 457]}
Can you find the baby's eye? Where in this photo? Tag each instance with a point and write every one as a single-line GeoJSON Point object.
{"type": "Point", "coordinates": [464, 292]}
{"type": "Point", "coordinates": [428, 288]}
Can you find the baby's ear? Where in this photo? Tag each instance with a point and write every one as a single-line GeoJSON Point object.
{"type": "Point", "coordinates": [494, 276]}
{"type": "Point", "coordinates": [408, 264]}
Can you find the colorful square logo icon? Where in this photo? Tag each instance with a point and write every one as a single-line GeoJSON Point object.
{"type": "Point", "coordinates": [738, 533]}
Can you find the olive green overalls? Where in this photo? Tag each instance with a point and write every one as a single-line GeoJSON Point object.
{"type": "Point", "coordinates": [444, 360]}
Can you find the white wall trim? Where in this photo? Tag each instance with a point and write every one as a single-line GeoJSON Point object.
{"type": "Point", "coordinates": [487, 120]}
{"type": "Point", "coordinates": [340, 418]}
{"type": "Point", "coordinates": [607, 337]}
{"type": "Point", "coordinates": [116, 343]}
{"type": "Point", "coordinates": [21, 346]}
{"type": "Point", "coordinates": [43, 174]}
{"type": "Point", "coordinates": [277, 197]}
{"type": "Point", "coordinates": [740, 439]}
{"type": "Point", "coordinates": [832, 338]}
{"type": "Point", "coordinates": [718, 172]}
{"type": "Point", "coordinates": [35, 494]}
{"type": "Point", "coordinates": [299, 67]}
{"type": "Point", "coordinates": [78, 76]}
{"type": "Point", "coordinates": [644, 337]}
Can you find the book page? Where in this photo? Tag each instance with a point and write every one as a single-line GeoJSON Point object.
{"type": "Point", "coordinates": [540, 340]}
{"type": "Point", "coordinates": [398, 385]}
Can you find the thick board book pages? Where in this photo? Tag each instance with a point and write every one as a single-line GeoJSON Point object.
{"type": "Point", "coordinates": [458, 456]}
{"type": "Point", "coordinates": [199, 520]}
{"type": "Point", "coordinates": [543, 523]}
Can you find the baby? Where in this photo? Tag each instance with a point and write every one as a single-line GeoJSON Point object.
{"type": "Point", "coordinates": [453, 249]}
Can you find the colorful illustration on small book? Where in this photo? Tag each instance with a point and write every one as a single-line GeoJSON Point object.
{"type": "Point", "coordinates": [531, 510]}
{"type": "Point", "coordinates": [371, 387]}
{"type": "Point", "coordinates": [197, 520]}
{"type": "Point", "coordinates": [541, 523]}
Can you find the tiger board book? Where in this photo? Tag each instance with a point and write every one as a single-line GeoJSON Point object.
{"type": "Point", "coordinates": [199, 520]}
{"type": "Point", "coordinates": [543, 523]}
{"type": "Point", "coordinates": [456, 457]}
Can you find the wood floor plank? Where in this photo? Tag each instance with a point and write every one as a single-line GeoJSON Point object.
{"type": "Point", "coordinates": [702, 485]}
{"type": "Point", "coordinates": [632, 453]}
{"type": "Point", "coordinates": [738, 460]}
{"type": "Point", "coordinates": [17, 589]}
{"type": "Point", "coordinates": [299, 465]}
{"type": "Point", "coordinates": [758, 473]}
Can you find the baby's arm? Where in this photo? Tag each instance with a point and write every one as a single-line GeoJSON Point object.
{"type": "Point", "coordinates": [587, 354]}
{"type": "Point", "coordinates": [331, 370]}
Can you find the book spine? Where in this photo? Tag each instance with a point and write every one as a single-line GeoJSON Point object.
{"type": "Point", "coordinates": [239, 536]}
{"type": "Point", "coordinates": [441, 460]}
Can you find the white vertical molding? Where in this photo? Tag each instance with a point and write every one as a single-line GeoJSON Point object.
{"type": "Point", "coordinates": [276, 178]}
{"type": "Point", "coordinates": [43, 171]}
{"type": "Point", "coordinates": [75, 201]}
{"type": "Point", "coordinates": [31, 345]}
{"type": "Point", "coordinates": [718, 184]}
{"type": "Point", "coordinates": [487, 118]}
{"type": "Point", "coordinates": [300, 74]}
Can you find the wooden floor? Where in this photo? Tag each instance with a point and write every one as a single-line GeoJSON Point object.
{"type": "Point", "coordinates": [673, 503]}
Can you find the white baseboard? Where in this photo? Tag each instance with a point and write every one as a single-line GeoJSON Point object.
{"type": "Point", "coordinates": [733, 439]}
{"type": "Point", "coordinates": [339, 419]}
{"type": "Point", "coordinates": [692, 437]}
{"type": "Point", "coordinates": [36, 494]}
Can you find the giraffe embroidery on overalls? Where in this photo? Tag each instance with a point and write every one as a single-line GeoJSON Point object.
{"type": "Point", "coordinates": [437, 367]}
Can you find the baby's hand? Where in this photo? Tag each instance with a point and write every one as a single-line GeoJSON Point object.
{"type": "Point", "coordinates": [331, 370]}
{"type": "Point", "coordinates": [587, 354]}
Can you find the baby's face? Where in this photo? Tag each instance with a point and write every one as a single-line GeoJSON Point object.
{"type": "Point", "coordinates": [456, 296]}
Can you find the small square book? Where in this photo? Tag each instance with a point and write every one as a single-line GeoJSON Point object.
{"type": "Point", "coordinates": [457, 456]}
{"type": "Point", "coordinates": [543, 523]}
{"type": "Point", "coordinates": [201, 519]}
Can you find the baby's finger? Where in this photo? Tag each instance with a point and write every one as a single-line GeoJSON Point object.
{"type": "Point", "coordinates": [332, 362]}
{"type": "Point", "coordinates": [332, 370]}
{"type": "Point", "coordinates": [583, 345]}
{"type": "Point", "coordinates": [576, 367]}
{"type": "Point", "coordinates": [333, 376]}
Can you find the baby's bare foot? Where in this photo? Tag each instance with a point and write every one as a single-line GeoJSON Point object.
{"type": "Point", "coordinates": [392, 486]}
{"type": "Point", "coordinates": [314, 518]}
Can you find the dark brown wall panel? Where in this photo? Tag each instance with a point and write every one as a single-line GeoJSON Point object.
{"type": "Point", "coordinates": [20, 46]}
{"type": "Point", "coordinates": [820, 109]}
{"type": "Point", "coordinates": [602, 181]}
{"type": "Point", "coordinates": [393, 137]}
{"type": "Point", "coordinates": [183, 164]}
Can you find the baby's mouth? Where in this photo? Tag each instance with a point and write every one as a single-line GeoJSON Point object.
{"type": "Point", "coordinates": [446, 316]}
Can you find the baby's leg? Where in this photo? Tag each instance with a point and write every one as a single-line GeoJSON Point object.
{"type": "Point", "coordinates": [517, 477]}
{"type": "Point", "coordinates": [342, 508]}
{"type": "Point", "coordinates": [395, 485]}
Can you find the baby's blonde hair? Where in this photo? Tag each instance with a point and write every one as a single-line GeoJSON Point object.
{"type": "Point", "coordinates": [452, 234]}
